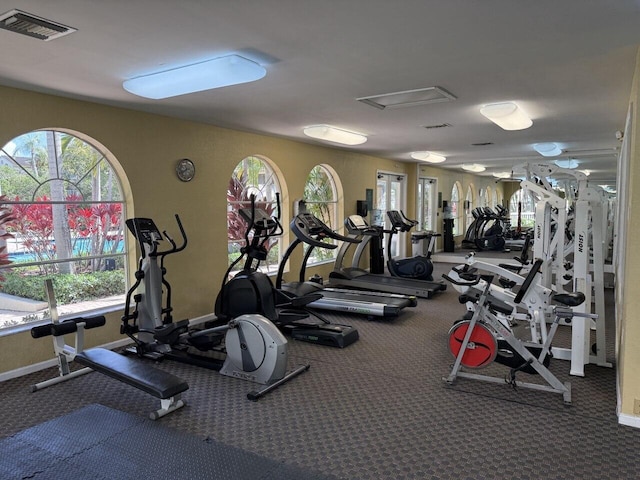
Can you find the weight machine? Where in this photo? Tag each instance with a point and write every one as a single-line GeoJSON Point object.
{"type": "Point", "coordinates": [587, 244]}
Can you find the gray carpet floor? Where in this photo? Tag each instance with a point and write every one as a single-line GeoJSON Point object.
{"type": "Point", "coordinates": [379, 409]}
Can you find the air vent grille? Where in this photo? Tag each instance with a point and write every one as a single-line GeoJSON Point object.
{"type": "Point", "coordinates": [33, 26]}
{"type": "Point", "coordinates": [408, 98]}
{"type": "Point", "coordinates": [439, 125]}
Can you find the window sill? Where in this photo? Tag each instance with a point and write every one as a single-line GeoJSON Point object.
{"type": "Point", "coordinates": [83, 309]}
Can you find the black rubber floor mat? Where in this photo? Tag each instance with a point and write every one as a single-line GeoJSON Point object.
{"type": "Point", "coordinates": [98, 442]}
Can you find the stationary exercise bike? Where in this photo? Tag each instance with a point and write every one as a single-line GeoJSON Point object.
{"type": "Point", "coordinates": [418, 267]}
{"type": "Point", "coordinates": [482, 339]}
{"type": "Point", "coordinates": [252, 347]}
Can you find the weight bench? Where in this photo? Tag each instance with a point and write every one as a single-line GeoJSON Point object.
{"type": "Point", "coordinates": [163, 385]}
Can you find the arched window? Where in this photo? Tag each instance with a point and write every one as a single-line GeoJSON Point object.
{"type": "Point", "coordinates": [469, 206]}
{"type": "Point", "coordinates": [252, 176]}
{"type": "Point", "coordinates": [456, 211]}
{"type": "Point", "coordinates": [523, 206]}
{"type": "Point", "coordinates": [67, 210]}
{"type": "Point", "coordinates": [321, 198]}
{"type": "Point", "coordinates": [495, 199]}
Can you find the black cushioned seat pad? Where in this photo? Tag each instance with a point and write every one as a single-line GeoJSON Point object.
{"type": "Point", "coordinates": [149, 379]}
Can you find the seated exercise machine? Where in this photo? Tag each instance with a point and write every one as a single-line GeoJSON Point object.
{"type": "Point", "coordinates": [358, 278]}
{"type": "Point", "coordinates": [483, 339]}
{"type": "Point", "coordinates": [248, 347]}
{"type": "Point", "coordinates": [311, 231]}
{"type": "Point", "coordinates": [163, 385]}
{"type": "Point", "coordinates": [251, 290]}
{"type": "Point", "coordinates": [420, 266]}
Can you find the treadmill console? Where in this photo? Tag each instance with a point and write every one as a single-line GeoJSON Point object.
{"type": "Point", "coordinates": [311, 230]}
{"type": "Point", "coordinates": [357, 225]}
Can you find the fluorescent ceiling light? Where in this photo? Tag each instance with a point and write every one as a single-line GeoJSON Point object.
{"type": "Point", "coordinates": [408, 98]}
{"type": "Point", "coordinates": [335, 135]}
{"type": "Point", "coordinates": [502, 174]}
{"type": "Point", "coordinates": [216, 73]}
{"type": "Point", "coordinates": [547, 149]}
{"type": "Point", "coordinates": [570, 164]}
{"type": "Point", "coordinates": [428, 157]}
{"type": "Point", "coordinates": [507, 116]}
{"type": "Point", "coordinates": [473, 167]}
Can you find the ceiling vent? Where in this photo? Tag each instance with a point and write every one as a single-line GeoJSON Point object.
{"type": "Point", "coordinates": [439, 125]}
{"type": "Point", "coordinates": [408, 98]}
{"type": "Point", "coordinates": [33, 26]}
{"type": "Point", "coordinates": [481, 144]}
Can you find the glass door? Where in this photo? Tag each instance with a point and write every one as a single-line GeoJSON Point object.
{"type": "Point", "coordinates": [390, 195]}
{"type": "Point", "coordinates": [426, 204]}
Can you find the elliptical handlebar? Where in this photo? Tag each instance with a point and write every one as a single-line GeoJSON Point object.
{"type": "Point", "coordinates": [262, 223]}
{"type": "Point", "coordinates": [174, 248]}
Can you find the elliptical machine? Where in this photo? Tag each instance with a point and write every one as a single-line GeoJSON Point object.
{"type": "Point", "coordinates": [418, 267]}
{"type": "Point", "coordinates": [251, 291]}
{"type": "Point", "coordinates": [248, 347]}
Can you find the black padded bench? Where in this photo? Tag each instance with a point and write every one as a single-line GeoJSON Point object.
{"type": "Point", "coordinates": [163, 385]}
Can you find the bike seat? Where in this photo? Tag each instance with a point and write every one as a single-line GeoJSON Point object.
{"type": "Point", "coordinates": [569, 299]}
{"type": "Point", "coordinates": [499, 305]}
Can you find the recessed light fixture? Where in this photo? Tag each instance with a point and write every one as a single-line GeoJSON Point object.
{"type": "Point", "coordinates": [473, 167]}
{"type": "Point", "coordinates": [502, 174]}
{"type": "Point", "coordinates": [335, 135]}
{"type": "Point", "coordinates": [507, 116]}
{"type": "Point", "coordinates": [547, 149]}
{"type": "Point", "coordinates": [428, 157]}
{"type": "Point", "coordinates": [570, 163]}
{"type": "Point", "coordinates": [197, 77]}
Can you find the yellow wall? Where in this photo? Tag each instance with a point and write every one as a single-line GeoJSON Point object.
{"type": "Point", "coordinates": [629, 335]}
{"type": "Point", "coordinates": [147, 148]}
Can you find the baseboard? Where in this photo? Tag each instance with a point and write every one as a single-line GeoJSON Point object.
{"type": "Point", "coordinates": [629, 420]}
{"type": "Point", "coordinates": [19, 372]}
{"type": "Point", "coordinates": [36, 367]}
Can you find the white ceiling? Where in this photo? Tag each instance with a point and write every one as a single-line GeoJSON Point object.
{"type": "Point", "coordinates": [568, 63]}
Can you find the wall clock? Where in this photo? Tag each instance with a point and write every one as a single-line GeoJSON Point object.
{"type": "Point", "coordinates": [186, 170]}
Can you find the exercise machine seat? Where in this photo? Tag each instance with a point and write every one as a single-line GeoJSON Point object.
{"type": "Point", "coordinates": [140, 375]}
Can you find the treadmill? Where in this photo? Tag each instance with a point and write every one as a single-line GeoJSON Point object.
{"type": "Point", "coordinates": [357, 278]}
{"type": "Point", "coordinates": [310, 230]}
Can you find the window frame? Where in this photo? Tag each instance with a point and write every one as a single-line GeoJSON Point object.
{"type": "Point", "coordinates": [456, 212]}
{"type": "Point", "coordinates": [98, 161]}
{"type": "Point", "coordinates": [329, 254]}
{"type": "Point", "coordinates": [269, 198]}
